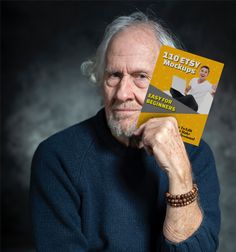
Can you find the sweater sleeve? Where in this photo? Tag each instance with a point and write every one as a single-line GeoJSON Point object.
{"type": "Point", "coordinates": [206, 236]}
{"type": "Point", "coordinates": [55, 204]}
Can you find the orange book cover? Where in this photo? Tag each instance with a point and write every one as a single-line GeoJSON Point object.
{"type": "Point", "coordinates": [183, 85]}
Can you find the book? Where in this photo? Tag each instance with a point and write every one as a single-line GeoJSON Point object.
{"type": "Point", "coordinates": [183, 85]}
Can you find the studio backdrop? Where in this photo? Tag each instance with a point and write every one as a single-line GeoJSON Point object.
{"type": "Point", "coordinates": [43, 91]}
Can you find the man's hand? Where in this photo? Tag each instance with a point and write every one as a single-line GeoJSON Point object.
{"type": "Point", "coordinates": [213, 90]}
{"type": "Point", "coordinates": [161, 138]}
{"type": "Point", "coordinates": [187, 89]}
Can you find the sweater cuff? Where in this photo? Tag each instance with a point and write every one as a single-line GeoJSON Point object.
{"type": "Point", "coordinates": [201, 240]}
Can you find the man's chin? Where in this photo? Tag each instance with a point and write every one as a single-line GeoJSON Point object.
{"type": "Point", "coordinates": [122, 127]}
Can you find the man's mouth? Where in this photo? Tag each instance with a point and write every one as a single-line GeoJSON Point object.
{"type": "Point", "coordinates": [125, 110]}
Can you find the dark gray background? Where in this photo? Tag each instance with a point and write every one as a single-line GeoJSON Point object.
{"type": "Point", "coordinates": [43, 45]}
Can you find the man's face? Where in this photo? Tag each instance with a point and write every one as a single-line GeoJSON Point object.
{"type": "Point", "coordinates": [130, 61]}
{"type": "Point", "coordinates": [204, 73]}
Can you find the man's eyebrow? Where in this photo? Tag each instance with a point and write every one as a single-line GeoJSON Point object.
{"type": "Point", "coordinates": [110, 70]}
{"type": "Point", "coordinates": [137, 70]}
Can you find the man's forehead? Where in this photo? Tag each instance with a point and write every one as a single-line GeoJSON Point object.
{"type": "Point", "coordinates": [133, 60]}
{"type": "Point", "coordinates": [125, 52]}
{"type": "Point", "coordinates": [132, 39]}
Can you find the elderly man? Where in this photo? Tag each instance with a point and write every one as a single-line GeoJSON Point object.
{"type": "Point", "coordinates": [104, 185]}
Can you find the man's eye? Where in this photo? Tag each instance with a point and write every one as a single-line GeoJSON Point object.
{"type": "Point", "coordinates": [140, 76]}
{"type": "Point", "coordinates": [115, 75]}
{"type": "Point", "coordinates": [141, 80]}
{"type": "Point", "coordinates": [113, 79]}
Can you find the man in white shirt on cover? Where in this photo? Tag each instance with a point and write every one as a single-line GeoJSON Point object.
{"type": "Point", "coordinates": [197, 90]}
{"type": "Point", "coordinates": [199, 87]}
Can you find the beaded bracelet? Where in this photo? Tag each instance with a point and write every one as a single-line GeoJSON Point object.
{"type": "Point", "coordinates": [181, 200]}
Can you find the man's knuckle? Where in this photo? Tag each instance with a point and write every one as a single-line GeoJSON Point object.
{"type": "Point", "coordinates": [170, 123]}
{"type": "Point", "coordinates": [153, 120]}
{"type": "Point", "coordinates": [159, 137]}
{"type": "Point", "coordinates": [173, 120]}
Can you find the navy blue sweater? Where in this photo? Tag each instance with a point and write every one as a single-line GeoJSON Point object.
{"type": "Point", "coordinates": [91, 193]}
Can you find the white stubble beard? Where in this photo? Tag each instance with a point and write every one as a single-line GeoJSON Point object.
{"type": "Point", "coordinates": [117, 128]}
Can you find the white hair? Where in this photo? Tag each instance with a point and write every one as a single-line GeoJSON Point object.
{"type": "Point", "coordinates": [94, 68]}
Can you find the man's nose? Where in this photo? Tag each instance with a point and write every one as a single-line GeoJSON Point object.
{"type": "Point", "coordinates": [124, 90]}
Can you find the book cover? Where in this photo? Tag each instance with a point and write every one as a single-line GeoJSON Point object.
{"type": "Point", "coordinates": [183, 85]}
